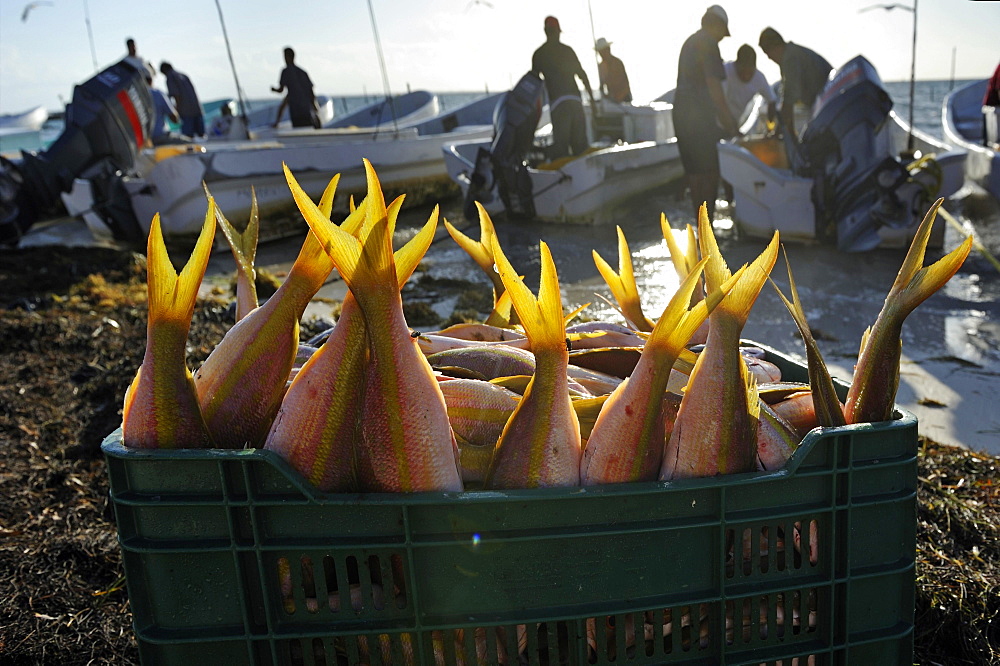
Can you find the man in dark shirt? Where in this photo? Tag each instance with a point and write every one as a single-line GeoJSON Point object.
{"type": "Point", "coordinates": [613, 77]}
{"type": "Point", "coordinates": [804, 74]}
{"type": "Point", "coordinates": [701, 114]}
{"type": "Point", "coordinates": [179, 87]}
{"type": "Point", "coordinates": [559, 67]}
{"type": "Point", "coordinates": [301, 100]}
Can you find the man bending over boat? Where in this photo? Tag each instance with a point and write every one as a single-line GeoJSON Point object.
{"type": "Point", "coordinates": [179, 87]}
{"type": "Point", "coordinates": [743, 81]}
{"type": "Point", "coordinates": [559, 67]}
{"type": "Point", "coordinates": [804, 74]}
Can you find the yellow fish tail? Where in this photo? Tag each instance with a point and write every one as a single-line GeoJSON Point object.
{"type": "Point", "coordinates": [622, 284]}
{"type": "Point", "coordinates": [541, 317]}
{"type": "Point", "coordinates": [244, 247]}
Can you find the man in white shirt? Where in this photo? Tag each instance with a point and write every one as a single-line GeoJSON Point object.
{"type": "Point", "coordinates": [743, 81]}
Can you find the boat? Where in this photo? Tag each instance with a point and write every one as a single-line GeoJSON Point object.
{"type": "Point", "coordinates": [965, 121]}
{"type": "Point", "coordinates": [260, 119]}
{"type": "Point", "coordinates": [101, 169]}
{"type": "Point", "coordinates": [26, 121]}
{"type": "Point", "coordinates": [408, 160]}
{"type": "Point", "coordinates": [847, 182]}
{"type": "Point", "coordinates": [398, 111]}
{"type": "Point", "coordinates": [510, 172]}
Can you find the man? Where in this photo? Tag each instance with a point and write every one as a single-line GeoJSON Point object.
{"type": "Point", "coordinates": [179, 87]}
{"type": "Point", "coordinates": [557, 64]}
{"type": "Point", "coordinates": [301, 101]}
{"type": "Point", "coordinates": [611, 72]}
{"type": "Point", "coordinates": [133, 59]}
{"type": "Point", "coordinates": [701, 114]}
{"type": "Point", "coordinates": [743, 81]}
{"type": "Point", "coordinates": [804, 74]}
{"type": "Point", "coordinates": [162, 110]}
{"type": "Point", "coordinates": [991, 109]}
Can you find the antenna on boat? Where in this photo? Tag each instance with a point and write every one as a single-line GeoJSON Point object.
{"type": "Point", "coordinates": [381, 64]}
{"type": "Point", "coordinates": [90, 34]}
{"type": "Point", "coordinates": [244, 105]}
{"type": "Point", "coordinates": [913, 58]}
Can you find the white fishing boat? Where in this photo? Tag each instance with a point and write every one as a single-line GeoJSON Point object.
{"type": "Point", "coordinates": [976, 128]}
{"type": "Point", "coordinates": [509, 173]}
{"type": "Point", "coordinates": [261, 118]}
{"type": "Point", "coordinates": [846, 182]}
{"type": "Point", "coordinates": [170, 179]}
{"type": "Point", "coordinates": [26, 121]}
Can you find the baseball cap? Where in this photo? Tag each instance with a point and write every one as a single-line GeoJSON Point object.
{"type": "Point", "coordinates": [552, 22]}
{"type": "Point", "coordinates": [720, 14]}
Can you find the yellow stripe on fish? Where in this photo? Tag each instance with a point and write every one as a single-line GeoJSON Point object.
{"type": "Point", "coordinates": [876, 375]}
{"type": "Point", "coordinates": [540, 445]}
{"type": "Point", "coordinates": [407, 442]}
{"type": "Point", "coordinates": [161, 404]}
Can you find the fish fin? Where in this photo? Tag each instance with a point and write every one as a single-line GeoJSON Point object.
{"type": "Point", "coordinates": [915, 283]}
{"type": "Point", "coordinates": [244, 247]}
{"type": "Point", "coordinates": [829, 411]}
{"type": "Point", "coordinates": [516, 383]}
{"type": "Point", "coordinates": [541, 317]}
{"type": "Point", "coordinates": [622, 284]}
{"type": "Point", "coordinates": [716, 272]}
{"type": "Point", "coordinates": [741, 299]}
{"type": "Point", "coordinates": [408, 257]}
{"type": "Point", "coordinates": [681, 259]}
{"type": "Point", "coordinates": [326, 200]}
{"type": "Point", "coordinates": [502, 310]}
{"type": "Point", "coordinates": [171, 295]}
{"type": "Point", "coordinates": [864, 340]}
{"type": "Point", "coordinates": [569, 316]}
{"type": "Point", "coordinates": [343, 247]}
{"type": "Point", "coordinates": [480, 250]}
{"type": "Point", "coordinates": [351, 206]}
{"type": "Point", "coordinates": [374, 202]}
{"type": "Point", "coordinates": [753, 395]}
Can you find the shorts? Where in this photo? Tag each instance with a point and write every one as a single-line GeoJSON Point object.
{"type": "Point", "coordinates": [697, 139]}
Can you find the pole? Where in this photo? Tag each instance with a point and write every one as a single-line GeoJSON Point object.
{"type": "Point", "coordinates": [593, 40]}
{"type": "Point", "coordinates": [90, 34]}
{"type": "Point", "coordinates": [244, 105]}
{"type": "Point", "coordinates": [913, 70]}
{"type": "Point", "coordinates": [951, 84]}
{"type": "Point", "coordinates": [381, 63]}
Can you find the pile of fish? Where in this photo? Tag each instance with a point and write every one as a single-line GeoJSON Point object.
{"type": "Point", "coordinates": [519, 401]}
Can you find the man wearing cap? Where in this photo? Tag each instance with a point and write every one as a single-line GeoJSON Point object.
{"type": "Point", "coordinates": [558, 66]}
{"type": "Point", "coordinates": [611, 70]}
{"type": "Point", "coordinates": [804, 74]}
{"type": "Point", "coordinates": [743, 81]}
{"type": "Point", "coordinates": [701, 114]}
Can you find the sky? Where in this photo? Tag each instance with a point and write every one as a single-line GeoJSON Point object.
{"type": "Point", "coordinates": [458, 45]}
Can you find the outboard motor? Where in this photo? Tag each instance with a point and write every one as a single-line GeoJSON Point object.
{"type": "Point", "coordinates": [514, 122]}
{"type": "Point", "coordinates": [106, 126]}
{"type": "Point", "coordinates": [853, 168]}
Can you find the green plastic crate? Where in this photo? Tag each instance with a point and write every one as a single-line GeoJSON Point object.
{"type": "Point", "coordinates": [231, 558]}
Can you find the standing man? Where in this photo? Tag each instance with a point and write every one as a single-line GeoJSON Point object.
{"type": "Point", "coordinates": [701, 115]}
{"type": "Point", "coordinates": [179, 87]}
{"type": "Point", "coordinates": [743, 81]}
{"type": "Point", "coordinates": [133, 59]}
{"type": "Point", "coordinates": [804, 74]}
{"type": "Point", "coordinates": [301, 102]}
{"type": "Point", "coordinates": [559, 67]}
{"type": "Point", "coordinates": [611, 71]}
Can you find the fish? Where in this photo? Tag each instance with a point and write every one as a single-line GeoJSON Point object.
{"type": "Point", "coordinates": [776, 439]}
{"type": "Point", "coordinates": [407, 443]}
{"type": "Point", "coordinates": [827, 408]}
{"type": "Point", "coordinates": [478, 411]}
{"type": "Point", "coordinates": [244, 247]}
{"type": "Point", "coordinates": [716, 427]}
{"type": "Point", "coordinates": [242, 382]}
{"type": "Point", "coordinates": [161, 408]}
{"type": "Point", "coordinates": [315, 429]}
{"type": "Point", "coordinates": [622, 284]}
{"type": "Point", "coordinates": [627, 440]}
{"type": "Point", "coordinates": [683, 260]}
{"type": "Point", "coordinates": [540, 445]}
{"type": "Point", "coordinates": [479, 333]}
{"type": "Point", "coordinates": [876, 375]}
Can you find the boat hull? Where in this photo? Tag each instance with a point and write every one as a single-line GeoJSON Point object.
{"type": "Point", "coordinates": [405, 162]}
{"type": "Point", "coordinates": [962, 124]}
